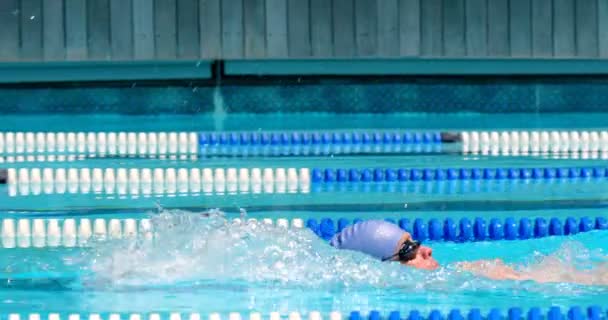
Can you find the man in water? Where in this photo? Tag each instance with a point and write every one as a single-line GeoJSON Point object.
{"type": "Point", "coordinates": [387, 242]}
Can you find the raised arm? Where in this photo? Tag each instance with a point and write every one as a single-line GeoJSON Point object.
{"type": "Point", "coordinates": [492, 269]}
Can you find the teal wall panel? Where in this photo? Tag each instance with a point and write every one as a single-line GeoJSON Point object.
{"type": "Point", "coordinates": [498, 28]}
{"type": "Point", "coordinates": [602, 20]}
{"type": "Point", "coordinates": [431, 28]}
{"type": "Point", "coordinates": [232, 29]}
{"type": "Point", "coordinates": [586, 28]}
{"type": "Point", "coordinates": [520, 28]}
{"type": "Point", "coordinates": [366, 27]}
{"type": "Point", "coordinates": [121, 29]}
{"type": "Point", "coordinates": [454, 28]}
{"type": "Point", "coordinates": [76, 30]}
{"type": "Point", "coordinates": [98, 29]}
{"type": "Point", "coordinates": [321, 32]}
{"type": "Point", "coordinates": [143, 29]}
{"type": "Point", "coordinates": [255, 28]}
{"type": "Point", "coordinates": [31, 30]}
{"type": "Point", "coordinates": [298, 13]}
{"type": "Point", "coordinates": [343, 13]}
{"type": "Point", "coordinates": [409, 27]}
{"type": "Point", "coordinates": [53, 30]}
{"type": "Point", "coordinates": [165, 29]}
{"type": "Point", "coordinates": [188, 46]}
{"type": "Point", "coordinates": [564, 43]}
{"type": "Point", "coordinates": [9, 30]}
{"type": "Point", "coordinates": [388, 28]}
{"type": "Point", "coordinates": [276, 28]}
{"type": "Point", "coordinates": [125, 30]}
{"type": "Point", "coordinates": [542, 28]}
{"type": "Point", "coordinates": [476, 28]}
{"type": "Point", "coordinates": [210, 29]}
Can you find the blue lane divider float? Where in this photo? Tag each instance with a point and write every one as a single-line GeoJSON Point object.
{"type": "Point", "coordinates": [476, 229]}
{"type": "Point", "coordinates": [593, 312]}
{"type": "Point", "coordinates": [328, 175]}
{"type": "Point", "coordinates": [319, 138]}
{"type": "Point", "coordinates": [321, 143]}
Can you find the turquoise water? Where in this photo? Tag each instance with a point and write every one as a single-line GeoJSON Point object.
{"type": "Point", "coordinates": [299, 121]}
{"type": "Point", "coordinates": [193, 266]}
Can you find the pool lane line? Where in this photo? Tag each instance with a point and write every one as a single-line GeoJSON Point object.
{"type": "Point", "coordinates": [473, 229]}
{"type": "Point", "coordinates": [362, 175]}
{"type": "Point", "coordinates": [159, 181]}
{"type": "Point", "coordinates": [534, 141]}
{"type": "Point", "coordinates": [281, 142]}
{"type": "Point", "coordinates": [188, 142]}
{"type": "Point", "coordinates": [170, 181]}
{"type": "Point", "coordinates": [71, 232]}
{"type": "Point", "coordinates": [592, 312]}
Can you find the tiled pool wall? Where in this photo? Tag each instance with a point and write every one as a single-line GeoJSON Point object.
{"type": "Point", "coordinates": [486, 95]}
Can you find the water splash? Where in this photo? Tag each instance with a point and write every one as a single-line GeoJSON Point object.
{"type": "Point", "coordinates": [194, 247]}
{"type": "Point", "coordinates": [202, 248]}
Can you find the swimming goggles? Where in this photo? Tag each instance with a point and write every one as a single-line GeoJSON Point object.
{"type": "Point", "coordinates": [407, 252]}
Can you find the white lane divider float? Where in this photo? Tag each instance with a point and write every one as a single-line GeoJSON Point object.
{"type": "Point", "coordinates": [79, 157]}
{"type": "Point", "coordinates": [534, 142]}
{"type": "Point", "coordinates": [110, 143]}
{"type": "Point", "coordinates": [39, 233]}
{"type": "Point", "coordinates": [156, 182]}
{"type": "Point", "coordinates": [312, 315]}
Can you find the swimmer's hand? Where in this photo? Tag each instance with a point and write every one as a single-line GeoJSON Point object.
{"type": "Point", "coordinates": [492, 269]}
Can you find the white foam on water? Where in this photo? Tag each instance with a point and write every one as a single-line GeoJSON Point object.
{"type": "Point", "coordinates": [207, 246]}
{"type": "Point", "coordinates": [201, 248]}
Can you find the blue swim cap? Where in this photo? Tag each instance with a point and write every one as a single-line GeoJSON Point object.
{"type": "Point", "coordinates": [374, 237]}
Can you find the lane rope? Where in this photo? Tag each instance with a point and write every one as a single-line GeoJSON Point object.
{"type": "Point", "coordinates": [169, 181]}
{"type": "Point", "coordinates": [473, 229]}
{"type": "Point", "coordinates": [158, 181]}
{"type": "Point", "coordinates": [593, 312]}
{"type": "Point", "coordinates": [524, 142]}
{"type": "Point", "coordinates": [302, 143]}
{"type": "Point", "coordinates": [330, 175]}
{"type": "Point", "coordinates": [70, 232]}
{"type": "Point", "coordinates": [186, 142]}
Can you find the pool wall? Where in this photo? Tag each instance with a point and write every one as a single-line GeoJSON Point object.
{"type": "Point", "coordinates": [103, 40]}
{"type": "Point", "coordinates": [101, 30]}
{"type": "Point", "coordinates": [313, 94]}
{"type": "Point", "coordinates": [302, 56]}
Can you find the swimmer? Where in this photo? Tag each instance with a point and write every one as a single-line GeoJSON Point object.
{"type": "Point", "coordinates": [388, 242]}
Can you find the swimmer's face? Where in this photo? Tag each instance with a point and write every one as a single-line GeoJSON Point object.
{"type": "Point", "coordinates": [424, 256]}
{"type": "Point", "coordinates": [424, 259]}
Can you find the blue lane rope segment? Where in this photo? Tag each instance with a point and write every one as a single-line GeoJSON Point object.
{"type": "Point", "coordinates": [206, 139]}
{"type": "Point", "coordinates": [329, 175]}
{"type": "Point", "coordinates": [478, 229]}
{"type": "Point", "coordinates": [514, 313]}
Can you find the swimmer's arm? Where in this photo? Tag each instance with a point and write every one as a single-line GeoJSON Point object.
{"type": "Point", "coordinates": [492, 269]}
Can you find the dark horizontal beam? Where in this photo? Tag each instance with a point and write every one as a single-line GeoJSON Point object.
{"type": "Point", "coordinates": [22, 72]}
{"type": "Point", "coordinates": [28, 72]}
{"type": "Point", "coordinates": [413, 66]}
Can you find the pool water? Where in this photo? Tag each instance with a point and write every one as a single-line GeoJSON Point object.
{"type": "Point", "coordinates": [205, 264]}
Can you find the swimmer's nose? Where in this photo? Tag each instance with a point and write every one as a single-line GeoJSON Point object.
{"type": "Point", "coordinates": [426, 252]}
